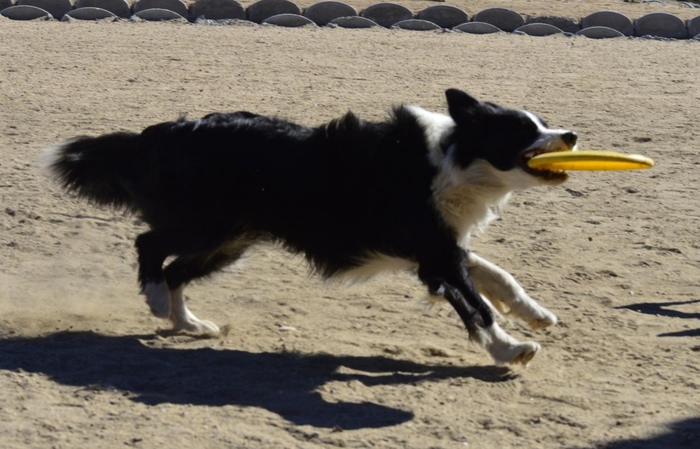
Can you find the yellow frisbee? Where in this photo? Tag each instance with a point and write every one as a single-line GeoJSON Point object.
{"type": "Point", "coordinates": [589, 160]}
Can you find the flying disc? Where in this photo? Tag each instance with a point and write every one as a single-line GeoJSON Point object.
{"type": "Point", "coordinates": [589, 160]}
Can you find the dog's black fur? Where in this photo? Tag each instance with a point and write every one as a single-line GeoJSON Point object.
{"type": "Point", "coordinates": [338, 193]}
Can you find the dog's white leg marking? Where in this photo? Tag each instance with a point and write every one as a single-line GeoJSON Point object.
{"type": "Point", "coordinates": [504, 348]}
{"type": "Point", "coordinates": [185, 321]}
{"type": "Point", "coordinates": [158, 299]}
{"type": "Point", "coordinates": [506, 294]}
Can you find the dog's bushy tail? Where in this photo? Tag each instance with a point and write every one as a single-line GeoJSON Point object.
{"type": "Point", "coordinates": [99, 169]}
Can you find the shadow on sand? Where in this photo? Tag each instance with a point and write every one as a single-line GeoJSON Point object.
{"type": "Point", "coordinates": [283, 383]}
{"type": "Point", "coordinates": [664, 309]}
{"type": "Point", "coordinates": [682, 434]}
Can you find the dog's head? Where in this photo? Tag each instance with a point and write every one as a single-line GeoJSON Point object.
{"type": "Point", "coordinates": [504, 138]}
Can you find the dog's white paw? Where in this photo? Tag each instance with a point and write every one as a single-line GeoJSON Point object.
{"type": "Point", "coordinates": [515, 353]}
{"type": "Point", "coordinates": [158, 299]}
{"type": "Point", "coordinates": [526, 351]}
{"type": "Point", "coordinates": [185, 322]}
{"type": "Point", "coordinates": [542, 320]}
{"type": "Point", "coordinates": [198, 328]}
{"type": "Point", "coordinates": [504, 348]}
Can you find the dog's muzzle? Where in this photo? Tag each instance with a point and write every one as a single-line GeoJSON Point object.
{"type": "Point", "coordinates": [565, 141]}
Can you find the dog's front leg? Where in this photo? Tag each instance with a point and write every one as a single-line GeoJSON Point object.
{"type": "Point", "coordinates": [451, 280]}
{"type": "Point", "coordinates": [506, 295]}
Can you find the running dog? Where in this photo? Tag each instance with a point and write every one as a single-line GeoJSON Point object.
{"type": "Point", "coordinates": [354, 197]}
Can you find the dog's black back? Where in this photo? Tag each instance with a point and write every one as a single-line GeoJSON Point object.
{"type": "Point", "coordinates": [335, 193]}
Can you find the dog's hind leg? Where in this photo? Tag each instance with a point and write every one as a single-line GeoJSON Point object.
{"type": "Point", "coordinates": [185, 321]}
{"type": "Point", "coordinates": [164, 288]}
{"type": "Point", "coordinates": [506, 294]}
{"type": "Point", "coordinates": [178, 274]}
{"type": "Point", "coordinates": [152, 252]}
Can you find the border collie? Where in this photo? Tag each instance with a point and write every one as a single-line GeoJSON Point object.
{"type": "Point", "coordinates": [354, 197]}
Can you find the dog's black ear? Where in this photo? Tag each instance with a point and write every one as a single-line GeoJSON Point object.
{"type": "Point", "coordinates": [460, 104]}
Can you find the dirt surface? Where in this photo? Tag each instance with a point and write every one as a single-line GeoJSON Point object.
{"type": "Point", "coordinates": [307, 365]}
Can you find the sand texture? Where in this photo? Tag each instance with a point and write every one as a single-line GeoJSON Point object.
{"type": "Point", "coordinates": [616, 255]}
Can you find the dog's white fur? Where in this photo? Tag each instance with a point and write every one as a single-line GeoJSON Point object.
{"type": "Point", "coordinates": [170, 304]}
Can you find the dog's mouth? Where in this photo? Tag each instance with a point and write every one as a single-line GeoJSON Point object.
{"type": "Point", "coordinates": [554, 176]}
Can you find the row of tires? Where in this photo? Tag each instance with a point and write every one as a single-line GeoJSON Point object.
{"type": "Point", "coordinates": [602, 24]}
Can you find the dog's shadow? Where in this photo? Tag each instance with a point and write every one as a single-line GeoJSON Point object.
{"type": "Point", "coordinates": [665, 309]}
{"type": "Point", "coordinates": [283, 383]}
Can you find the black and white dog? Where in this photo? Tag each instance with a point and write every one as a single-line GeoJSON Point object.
{"type": "Point", "coordinates": [354, 197]}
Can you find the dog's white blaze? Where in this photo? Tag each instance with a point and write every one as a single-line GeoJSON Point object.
{"type": "Point", "coordinates": [541, 127]}
{"type": "Point", "coordinates": [550, 139]}
{"type": "Point", "coordinates": [536, 120]}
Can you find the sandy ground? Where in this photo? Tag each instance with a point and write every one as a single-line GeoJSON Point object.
{"type": "Point", "coordinates": [306, 365]}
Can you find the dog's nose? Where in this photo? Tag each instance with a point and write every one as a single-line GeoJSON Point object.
{"type": "Point", "coordinates": [570, 138]}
